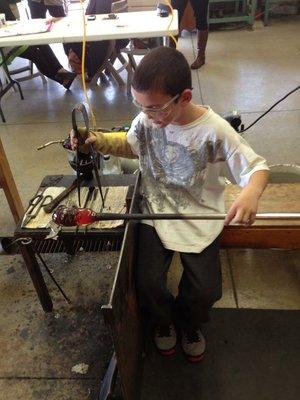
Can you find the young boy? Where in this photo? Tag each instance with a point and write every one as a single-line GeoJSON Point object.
{"type": "Point", "coordinates": [185, 152]}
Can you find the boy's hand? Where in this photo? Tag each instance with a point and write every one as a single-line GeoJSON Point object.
{"type": "Point", "coordinates": [243, 210]}
{"type": "Point", "coordinates": [88, 138]}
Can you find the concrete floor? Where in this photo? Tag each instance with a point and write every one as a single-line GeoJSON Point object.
{"type": "Point", "coordinates": [245, 70]}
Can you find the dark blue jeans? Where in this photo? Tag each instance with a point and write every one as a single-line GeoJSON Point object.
{"type": "Point", "coordinates": [200, 8]}
{"type": "Point", "coordinates": [199, 288]}
{"type": "Point", "coordinates": [39, 10]}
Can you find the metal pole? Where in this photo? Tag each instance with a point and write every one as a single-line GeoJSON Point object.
{"type": "Point", "coordinates": [265, 216]}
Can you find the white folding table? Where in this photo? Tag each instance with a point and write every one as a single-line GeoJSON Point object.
{"type": "Point", "coordinates": [139, 24]}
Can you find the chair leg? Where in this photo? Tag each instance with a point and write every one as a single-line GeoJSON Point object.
{"type": "Point", "coordinates": [129, 79]}
{"type": "Point", "coordinates": [1, 113]}
{"type": "Point", "coordinates": [132, 61]}
{"type": "Point", "coordinates": [130, 71]}
{"type": "Point", "coordinates": [12, 82]}
{"type": "Point", "coordinates": [121, 59]}
{"type": "Point", "coordinates": [44, 80]}
{"type": "Point", "coordinates": [114, 73]}
{"type": "Point", "coordinates": [20, 90]}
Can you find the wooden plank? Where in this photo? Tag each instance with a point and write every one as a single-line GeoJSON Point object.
{"type": "Point", "coordinates": [261, 237]}
{"type": "Point", "coordinates": [122, 314]}
{"type": "Point", "coordinates": [7, 183]}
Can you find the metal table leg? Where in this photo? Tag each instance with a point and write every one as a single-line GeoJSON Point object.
{"type": "Point", "coordinates": [36, 276]}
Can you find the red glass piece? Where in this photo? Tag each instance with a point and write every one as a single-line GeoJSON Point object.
{"type": "Point", "coordinates": [73, 216]}
{"type": "Point", "coordinates": [84, 216]}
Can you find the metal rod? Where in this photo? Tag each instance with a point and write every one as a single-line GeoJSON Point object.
{"type": "Point", "coordinates": [265, 216]}
{"type": "Point", "coordinates": [96, 173]}
{"type": "Point", "coordinates": [78, 175]}
{"type": "Point", "coordinates": [52, 277]}
{"type": "Point", "coordinates": [49, 143]}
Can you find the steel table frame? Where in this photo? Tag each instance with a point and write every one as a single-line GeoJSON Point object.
{"type": "Point", "coordinates": [28, 253]}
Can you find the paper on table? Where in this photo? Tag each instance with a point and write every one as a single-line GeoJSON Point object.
{"type": "Point", "coordinates": [26, 28]}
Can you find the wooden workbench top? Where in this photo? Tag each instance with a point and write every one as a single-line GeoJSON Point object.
{"type": "Point", "coordinates": [277, 197]}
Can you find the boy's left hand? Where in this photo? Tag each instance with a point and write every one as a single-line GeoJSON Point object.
{"type": "Point", "coordinates": [243, 210]}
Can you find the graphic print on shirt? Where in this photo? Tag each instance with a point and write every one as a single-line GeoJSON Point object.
{"type": "Point", "coordinates": [172, 170]}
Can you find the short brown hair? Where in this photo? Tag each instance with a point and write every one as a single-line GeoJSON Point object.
{"type": "Point", "coordinates": [163, 69]}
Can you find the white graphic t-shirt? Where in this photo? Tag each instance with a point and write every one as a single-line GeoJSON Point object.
{"type": "Point", "coordinates": [183, 170]}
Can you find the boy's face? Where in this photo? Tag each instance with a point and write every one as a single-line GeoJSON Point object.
{"type": "Point", "coordinates": [161, 108]}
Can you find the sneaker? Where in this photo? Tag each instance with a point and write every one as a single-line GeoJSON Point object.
{"type": "Point", "coordinates": [165, 339]}
{"type": "Point", "coordinates": [193, 344]}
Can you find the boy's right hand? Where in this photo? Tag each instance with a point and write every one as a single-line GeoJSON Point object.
{"type": "Point", "coordinates": [86, 138]}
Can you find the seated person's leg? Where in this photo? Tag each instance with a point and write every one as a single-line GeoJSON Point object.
{"type": "Point", "coordinates": [47, 63]}
{"type": "Point", "coordinates": [47, 68]}
{"type": "Point", "coordinates": [97, 53]}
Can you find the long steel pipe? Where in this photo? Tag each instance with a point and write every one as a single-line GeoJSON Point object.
{"type": "Point", "coordinates": [265, 216]}
{"type": "Point", "coordinates": [74, 216]}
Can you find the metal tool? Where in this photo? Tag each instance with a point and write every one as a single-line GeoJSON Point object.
{"type": "Point", "coordinates": [55, 202]}
{"type": "Point", "coordinates": [81, 108]}
{"type": "Point", "coordinates": [35, 204]}
{"type": "Point", "coordinates": [62, 141]}
{"type": "Point", "coordinates": [54, 230]}
{"type": "Point", "coordinates": [89, 196]}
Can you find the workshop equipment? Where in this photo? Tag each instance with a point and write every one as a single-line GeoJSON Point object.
{"type": "Point", "coordinates": [90, 196]}
{"type": "Point", "coordinates": [35, 204]}
{"type": "Point", "coordinates": [68, 240]}
{"type": "Point", "coordinates": [55, 202]}
{"type": "Point", "coordinates": [80, 157]}
{"type": "Point", "coordinates": [84, 165]}
{"type": "Point", "coordinates": [87, 164]}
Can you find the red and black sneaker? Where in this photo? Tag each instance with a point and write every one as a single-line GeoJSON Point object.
{"type": "Point", "coordinates": [165, 339]}
{"type": "Point", "coordinates": [193, 344]}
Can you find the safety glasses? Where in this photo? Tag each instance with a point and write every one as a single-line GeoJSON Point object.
{"type": "Point", "coordinates": [156, 110]}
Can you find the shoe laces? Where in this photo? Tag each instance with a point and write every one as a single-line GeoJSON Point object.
{"type": "Point", "coordinates": [164, 331]}
{"type": "Point", "coordinates": [192, 336]}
